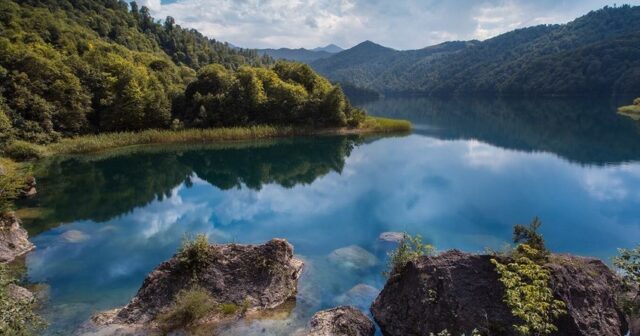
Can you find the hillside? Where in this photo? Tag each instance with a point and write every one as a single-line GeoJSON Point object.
{"type": "Point", "coordinates": [70, 68]}
{"type": "Point", "coordinates": [598, 53]}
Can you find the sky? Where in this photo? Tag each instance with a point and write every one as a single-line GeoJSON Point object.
{"type": "Point", "coordinates": [400, 24]}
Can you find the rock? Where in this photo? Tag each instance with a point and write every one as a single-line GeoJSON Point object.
{"type": "Point", "coordinates": [29, 189]}
{"type": "Point", "coordinates": [254, 276]}
{"type": "Point", "coordinates": [14, 240]}
{"type": "Point", "coordinates": [361, 296]}
{"type": "Point", "coordinates": [74, 236]}
{"type": "Point", "coordinates": [18, 293]}
{"type": "Point", "coordinates": [341, 321]}
{"type": "Point", "coordinates": [460, 292]}
{"type": "Point", "coordinates": [353, 257]}
{"type": "Point", "coordinates": [392, 237]}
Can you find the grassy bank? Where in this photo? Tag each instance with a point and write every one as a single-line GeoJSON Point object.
{"type": "Point", "coordinates": [631, 111]}
{"type": "Point", "coordinates": [106, 141]}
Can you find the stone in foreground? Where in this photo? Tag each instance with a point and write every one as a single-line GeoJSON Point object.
{"type": "Point", "coordinates": [14, 240]}
{"type": "Point", "coordinates": [254, 277]}
{"type": "Point", "coordinates": [341, 321]}
{"type": "Point", "coordinates": [461, 292]}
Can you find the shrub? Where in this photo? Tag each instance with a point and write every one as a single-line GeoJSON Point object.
{"type": "Point", "coordinates": [409, 249]}
{"type": "Point", "coordinates": [12, 181]}
{"type": "Point", "coordinates": [23, 151]}
{"type": "Point", "coordinates": [189, 306]}
{"type": "Point", "coordinates": [529, 235]}
{"type": "Point", "coordinates": [636, 101]}
{"type": "Point", "coordinates": [628, 262]}
{"type": "Point", "coordinates": [195, 253]}
{"type": "Point", "coordinates": [17, 317]}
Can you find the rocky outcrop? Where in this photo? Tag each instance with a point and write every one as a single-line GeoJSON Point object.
{"type": "Point", "coordinates": [14, 240]}
{"type": "Point", "coordinates": [17, 293]}
{"type": "Point", "coordinates": [461, 292]}
{"type": "Point", "coordinates": [340, 321]}
{"type": "Point", "coordinates": [29, 189]}
{"type": "Point", "coordinates": [252, 276]}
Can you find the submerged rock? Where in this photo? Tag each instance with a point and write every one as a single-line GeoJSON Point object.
{"type": "Point", "coordinates": [14, 240]}
{"type": "Point", "coordinates": [253, 277]}
{"type": "Point", "coordinates": [354, 257]}
{"type": "Point", "coordinates": [392, 237]}
{"type": "Point", "coordinates": [340, 321]}
{"type": "Point", "coordinates": [74, 236]}
{"type": "Point", "coordinates": [461, 292]}
{"type": "Point", "coordinates": [360, 295]}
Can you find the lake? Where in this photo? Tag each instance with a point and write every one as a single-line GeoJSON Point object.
{"type": "Point", "coordinates": [471, 169]}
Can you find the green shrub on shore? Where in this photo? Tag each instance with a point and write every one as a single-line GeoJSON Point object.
{"type": "Point", "coordinates": [628, 262]}
{"type": "Point", "coordinates": [189, 306]}
{"type": "Point", "coordinates": [195, 253]}
{"type": "Point", "coordinates": [409, 249]}
{"type": "Point", "coordinates": [12, 181]}
{"type": "Point", "coordinates": [526, 282]}
{"type": "Point", "coordinates": [23, 151]}
{"type": "Point", "coordinates": [379, 124]}
{"type": "Point", "coordinates": [17, 317]}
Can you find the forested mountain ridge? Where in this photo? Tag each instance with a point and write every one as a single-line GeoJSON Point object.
{"type": "Point", "coordinates": [88, 66]}
{"type": "Point", "coordinates": [598, 53]}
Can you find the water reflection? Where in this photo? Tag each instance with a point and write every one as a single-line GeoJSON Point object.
{"type": "Point", "coordinates": [584, 130]}
{"type": "Point", "coordinates": [100, 188]}
{"type": "Point", "coordinates": [107, 221]}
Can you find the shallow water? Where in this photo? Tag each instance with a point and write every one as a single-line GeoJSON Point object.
{"type": "Point", "coordinates": [470, 171]}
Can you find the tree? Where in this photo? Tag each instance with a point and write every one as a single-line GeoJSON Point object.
{"type": "Point", "coordinates": [529, 235]}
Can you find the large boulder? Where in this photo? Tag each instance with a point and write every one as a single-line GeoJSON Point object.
{"type": "Point", "coordinates": [340, 321]}
{"type": "Point", "coordinates": [14, 240]}
{"type": "Point", "coordinates": [252, 276]}
{"type": "Point", "coordinates": [460, 292]}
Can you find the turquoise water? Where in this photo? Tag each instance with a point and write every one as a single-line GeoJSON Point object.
{"type": "Point", "coordinates": [470, 171]}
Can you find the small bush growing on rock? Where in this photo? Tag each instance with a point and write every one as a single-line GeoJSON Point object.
{"type": "Point", "coordinates": [445, 332]}
{"type": "Point", "coordinates": [189, 306]}
{"type": "Point", "coordinates": [195, 253]}
{"type": "Point", "coordinates": [529, 235]}
{"type": "Point", "coordinates": [636, 101]}
{"type": "Point", "coordinates": [17, 317]}
{"type": "Point", "coordinates": [409, 249]}
{"type": "Point", "coordinates": [628, 262]}
{"type": "Point", "coordinates": [528, 293]}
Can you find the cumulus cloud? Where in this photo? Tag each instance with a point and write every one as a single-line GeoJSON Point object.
{"type": "Point", "coordinates": [404, 24]}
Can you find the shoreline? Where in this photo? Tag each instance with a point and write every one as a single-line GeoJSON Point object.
{"type": "Point", "coordinates": [89, 144]}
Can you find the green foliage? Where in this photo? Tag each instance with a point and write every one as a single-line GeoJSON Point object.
{"type": "Point", "coordinates": [189, 306]}
{"type": "Point", "coordinates": [530, 236]}
{"type": "Point", "coordinates": [636, 101]}
{"type": "Point", "coordinates": [628, 262]}
{"type": "Point", "coordinates": [17, 317]}
{"type": "Point", "coordinates": [445, 332]}
{"type": "Point", "coordinates": [526, 283]}
{"type": "Point", "coordinates": [228, 308]}
{"type": "Point", "coordinates": [598, 53]}
{"type": "Point", "coordinates": [23, 151]}
{"type": "Point", "coordinates": [12, 181]}
{"type": "Point", "coordinates": [409, 249]}
{"type": "Point", "coordinates": [195, 253]}
{"type": "Point", "coordinates": [286, 94]}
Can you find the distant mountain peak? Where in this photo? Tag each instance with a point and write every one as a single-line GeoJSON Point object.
{"type": "Point", "coordinates": [330, 48]}
{"type": "Point", "coordinates": [370, 45]}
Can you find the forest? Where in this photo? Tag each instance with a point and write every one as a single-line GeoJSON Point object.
{"type": "Point", "coordinates": [598, 53]}
{"type": "Point", "coordinates": [78, 67]}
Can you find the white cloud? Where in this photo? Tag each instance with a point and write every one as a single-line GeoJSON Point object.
{"type": "Point", "coordinates": [403, 24]}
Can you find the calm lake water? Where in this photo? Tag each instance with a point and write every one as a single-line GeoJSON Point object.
{"type": "Point", "coordinates": [469, 172]}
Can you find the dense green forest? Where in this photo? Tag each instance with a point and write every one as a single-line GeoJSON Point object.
{"type": "Point", "coordinates": [598, 53]}
{"type": "Point", "coordinates": [87, 66]}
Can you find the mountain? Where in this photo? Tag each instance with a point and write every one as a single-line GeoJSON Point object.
{"type": "Point", "coordinates": [301, 54]}
{"type": "Point", "coordinates": [598, 53]}
{"type": "Point", "coordinates": [331, 48]}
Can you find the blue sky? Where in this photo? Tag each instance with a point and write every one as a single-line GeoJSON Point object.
{"type": "Point", "coordinates": [400, 24]}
